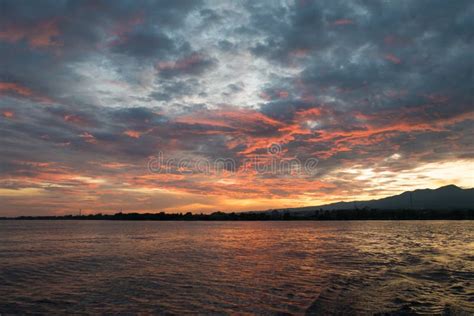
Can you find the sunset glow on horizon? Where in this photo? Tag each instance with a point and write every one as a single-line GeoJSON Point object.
{"type": "Point", "coordinates": [366, 105]}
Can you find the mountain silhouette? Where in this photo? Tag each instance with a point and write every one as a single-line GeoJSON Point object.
{"type": "Point", "coordinates": [448, 197]}
{"type": "Point", "coordinates": [448, 202]}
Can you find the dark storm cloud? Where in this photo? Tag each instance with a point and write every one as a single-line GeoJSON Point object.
{"type": "Point", "coordinates": [170, 89]}
{"type": "Point", "coordinates": [236, 87]}
{"type": "Point", "coordinates": [97, 87]}
{"type": "Point", "coordinates": [137, 115]}
{"type": "Point", "coordinates": [52, 37]}
{"type": "Point", "coordinates": [192, 65]}
{"type": "Point", "coordinates": [226, 45]}
{"type": "Point", "coordinates": [367, 48]}
{"type": "Point", "coordinates": [284, 110]}
{"type": "Point", "coordinates": [59, 134]}
{"type": "Point", "coordinates": [142, 44]}
{"type": "Point", "coordinates": [393, 61]}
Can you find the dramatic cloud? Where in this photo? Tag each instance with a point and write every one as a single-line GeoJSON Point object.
{"type": "Point", "coordinates": [369, 98]}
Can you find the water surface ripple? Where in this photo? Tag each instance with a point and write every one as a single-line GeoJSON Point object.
{"type": "Point", "coordinates": [320, 268]}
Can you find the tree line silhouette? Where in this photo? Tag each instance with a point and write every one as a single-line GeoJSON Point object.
{"type": "Point", "coordinates": [274, 215]}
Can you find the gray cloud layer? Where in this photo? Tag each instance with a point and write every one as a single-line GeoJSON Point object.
{"type": "Point", "coordinates": [385, 85]}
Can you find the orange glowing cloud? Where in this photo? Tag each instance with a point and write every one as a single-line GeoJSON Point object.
{"type": "Point", "coordinates": [392, 58]}
{"type": "Point", "coordinates": [241, 125]}
{"type": "Point", "coordinates": [312, 112]}
{"type": "Point", "coordinates": [88, 138]}
{"type": "Point", "coordinates": [41, 35]}
{"type": "Point", "coordinates": [75, 119]}
{"type": "Point", "coordinates": [10, 88]}
{"type": "Point", "coordinates": [373, 132]}
{"type": "Point", "coordinates": [114, 165]}
{"type": "Point", "coordinates": [240, 119]}
{"type": "Point", "coordinates": [15, 88]}
{"type": "Point", "coordinates": [132, 134]}
{"type": "Point", "coordinates": [8, 114]}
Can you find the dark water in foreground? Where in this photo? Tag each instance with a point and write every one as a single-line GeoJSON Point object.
{"type": "Point", "coordinates": [323, 268]}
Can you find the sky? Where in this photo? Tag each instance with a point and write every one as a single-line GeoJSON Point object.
{"type": "Point", "coordinates": [148, 106]}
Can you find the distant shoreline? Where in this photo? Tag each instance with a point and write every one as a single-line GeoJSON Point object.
{"type": "Point", "coordinates": [445, 203]}
{"type": "Point", "coordinates": [275, 215]}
